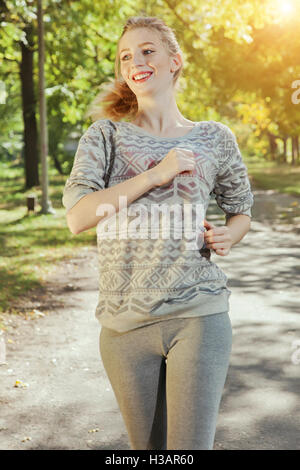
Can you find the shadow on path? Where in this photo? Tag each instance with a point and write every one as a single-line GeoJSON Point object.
{"type": "Point", "coordinates": [68, 402]}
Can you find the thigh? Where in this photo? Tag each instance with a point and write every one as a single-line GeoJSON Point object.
{"type": "Point", "coordinates": [197, 366]}
{"type": "Point", "coordinates": [136, 371]}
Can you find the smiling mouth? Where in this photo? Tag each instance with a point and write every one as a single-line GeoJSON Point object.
{"type": "Point", "coordinates": [143, 79]}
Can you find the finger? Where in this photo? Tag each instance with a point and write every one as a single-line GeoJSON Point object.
{"type": "Point", "coordinates": [214, 234]}
{"type": "Point", "coordinates": [208, 225]}
{"type": "Point", "coordinates": [222, 252]}
{"type": "Point", "coordinates": [188, 160]}
{"type": "Point", "coordinates": [215, 245]}
{"type": "Point", "coordinates": [218, 230]}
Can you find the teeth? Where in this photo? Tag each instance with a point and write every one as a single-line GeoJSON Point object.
{"type": "Point", "coordinates": [139, 77]}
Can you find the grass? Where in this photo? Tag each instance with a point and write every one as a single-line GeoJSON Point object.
{"type": "Point", "coordinates": [30, 245]}
{"type": "Point", "coordinates": [270, 175]}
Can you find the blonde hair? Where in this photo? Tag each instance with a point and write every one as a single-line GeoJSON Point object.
{"type": "Point", "coordinates": [117, 100]}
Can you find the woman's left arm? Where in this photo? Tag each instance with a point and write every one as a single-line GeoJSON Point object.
{"type": "Point", "coordinates": [221, 239]}
{"type": "Point", "coordinates": [233, 195]}
{"type": "Point", "coordinates": [238, 226]}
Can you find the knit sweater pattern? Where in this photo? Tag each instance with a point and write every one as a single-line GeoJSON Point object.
{"type": "Point", "coordinates": [152, 272]}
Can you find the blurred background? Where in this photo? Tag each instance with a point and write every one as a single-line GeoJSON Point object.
{"type": "Point", "coordinates": [242, 68]}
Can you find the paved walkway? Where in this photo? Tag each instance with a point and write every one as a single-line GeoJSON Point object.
{"type": "Point", "coordinates": [64, 399]}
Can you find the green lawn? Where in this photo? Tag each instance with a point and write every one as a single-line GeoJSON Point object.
{"type": "Point", "coordinates": [32, 244]}
{"type": "Point", "coordinates": [269, 175]}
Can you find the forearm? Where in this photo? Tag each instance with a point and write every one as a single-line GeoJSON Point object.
{"type": "Point", "coordinates": [83, 216]}
{"type": "Point", "coordinates": [238, 226]}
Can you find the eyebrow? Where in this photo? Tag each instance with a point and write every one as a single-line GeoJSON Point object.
{"type": "Point", "coordinates": [143, 43]}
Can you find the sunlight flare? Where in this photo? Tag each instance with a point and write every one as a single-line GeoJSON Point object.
{"type": "Point", "coordinates": [286, 7]}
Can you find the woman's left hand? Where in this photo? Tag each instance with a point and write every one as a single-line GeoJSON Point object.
{"type": "Point", "coordinates": [218, 238]}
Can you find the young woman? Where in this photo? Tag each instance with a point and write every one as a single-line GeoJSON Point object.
{"type": "Point", "coordinates": [163, 306]}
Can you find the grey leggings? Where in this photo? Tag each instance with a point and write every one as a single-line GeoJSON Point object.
{"type": "Point", "coordinates": [168, 379]}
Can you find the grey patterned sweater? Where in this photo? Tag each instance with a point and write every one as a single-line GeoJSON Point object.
{"type": "Point", "coordinates": [146, 276]}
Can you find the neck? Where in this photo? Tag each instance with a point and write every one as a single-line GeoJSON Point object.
{"type": "Point", "coordinates": [159, 116]}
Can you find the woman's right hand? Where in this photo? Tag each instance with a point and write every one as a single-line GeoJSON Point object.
{"type": "Point", "coordinates": [178, 160]}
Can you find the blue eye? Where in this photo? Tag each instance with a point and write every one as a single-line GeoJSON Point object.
{"type": "Point", "coordinates": [145, 50]}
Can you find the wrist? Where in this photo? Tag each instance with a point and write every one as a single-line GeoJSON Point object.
{"type": "Point", "coordinates": [238, 225]}
{"type": "Point", "coordinates": [152, 176]}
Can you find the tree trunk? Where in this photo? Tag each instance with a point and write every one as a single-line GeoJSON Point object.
{"type": "Point", "coordinates": [31, 154]}
{"type": "Point", "coordinates": [294, 150]}
{"type": "Point", "coordinates": [273, 146]}
{"type": "Point", "coordinates": [284, 155]}
{"type": "Point", "coordinates": [58, 165]}
{"type": "Point", "coordinates": [297, 149]}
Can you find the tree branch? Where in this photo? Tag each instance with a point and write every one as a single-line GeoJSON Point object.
{"type": "Point", "coordinates": [173, 8]}
{"type": "Point", "coordinates": [11, 60]}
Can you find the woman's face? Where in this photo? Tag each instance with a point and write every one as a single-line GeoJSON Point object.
{"type": "Point", "coordinates": [144, 52]}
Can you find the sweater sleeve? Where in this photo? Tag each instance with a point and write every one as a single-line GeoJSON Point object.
{"type": "Point", "coordinates": [232, 186]}
{"type": "Point", "coordinates": [88, 169]}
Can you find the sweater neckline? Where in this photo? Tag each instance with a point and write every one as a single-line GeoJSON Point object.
{"type": "Point", "coordinates": [142, 131]}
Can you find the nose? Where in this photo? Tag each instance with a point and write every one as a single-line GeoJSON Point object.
{"type": "Point", "coordinates": [137, 59]}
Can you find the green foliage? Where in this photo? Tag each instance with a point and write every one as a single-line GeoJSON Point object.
{"type": "Point", "coordinates": [30, 244]}
{"type": "Point", "coordinates": [240, 60]}
{"type": "Point", "coordinates": [240, 57]}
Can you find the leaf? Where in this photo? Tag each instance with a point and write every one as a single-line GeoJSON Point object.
{"type": "Point", "coordinates": [38, 313]}
{"type": "Point", "coordinates": [20, 384]}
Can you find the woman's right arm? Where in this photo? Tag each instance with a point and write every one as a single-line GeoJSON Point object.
{"type": "Point", "coordinates": [85, 189]}
{"type": "Point", "coordinates": [82, 215]}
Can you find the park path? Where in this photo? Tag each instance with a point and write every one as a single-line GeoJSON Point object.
{"type": "Point", "coordinates": [64, 400]}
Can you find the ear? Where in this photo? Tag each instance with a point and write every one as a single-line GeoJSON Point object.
{"type": "Point", "coordinates": [176, 62]}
